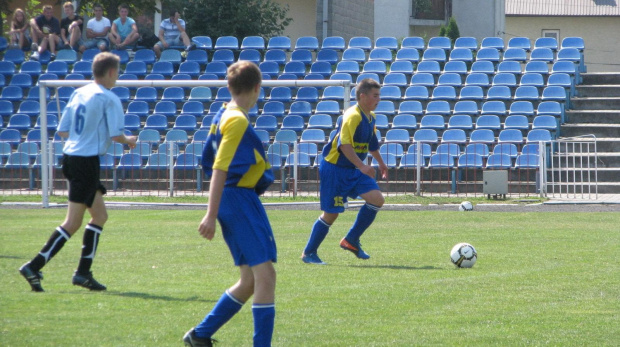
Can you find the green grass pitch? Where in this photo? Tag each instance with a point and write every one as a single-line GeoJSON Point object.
{"type": "Point", "coordinates": [541, 279]}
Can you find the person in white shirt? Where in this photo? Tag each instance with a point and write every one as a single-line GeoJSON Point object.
{"type": "Point", "coordinates": [172, 33]}
{"type": "Point", "coordinates": [92, 119]}
{"type": "Point", "coordinates": [97, 30]}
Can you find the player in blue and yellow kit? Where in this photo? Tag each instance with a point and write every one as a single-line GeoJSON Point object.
{"type": "Point", "coordinates": [234, 158]}
{"type": "Point", "coordinates": [92, 119]}
{"type": "Point", "coordinates": [344, 173]}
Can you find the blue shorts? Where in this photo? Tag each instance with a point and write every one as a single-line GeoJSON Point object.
{"type": "Point", "coordinates": [245, 227]}
{"type": "Point", "coordinates": [338, 183]}
{"type": "Point", "coordinates": [94, 43]}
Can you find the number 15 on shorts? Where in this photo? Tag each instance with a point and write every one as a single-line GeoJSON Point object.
{"type": "Point", "coordinates": [338, 201]}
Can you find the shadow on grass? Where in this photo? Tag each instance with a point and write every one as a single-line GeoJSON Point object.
{"type": "Point", "coordinates": [11, 257]}
{"type": "Point", "coordinates": [147, 296]}
{"type": "Point", "coordinates": [395, 267]}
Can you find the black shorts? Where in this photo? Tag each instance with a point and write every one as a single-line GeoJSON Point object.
{"type": "Point", "coordinates": [83, 176]}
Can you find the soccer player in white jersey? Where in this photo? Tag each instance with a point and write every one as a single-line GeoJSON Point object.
{"type": "Point", "coordinates": [92, 119]}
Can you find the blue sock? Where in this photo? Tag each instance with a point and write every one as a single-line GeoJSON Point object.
{"type": "Point", "coordinates": [319, 231]}
{"type": "Point", "coordinates": [365, 217]}
{"type": "Point", "coordinates": [223, 311]}
{"type": "Point", "coordinates": [264, 317]}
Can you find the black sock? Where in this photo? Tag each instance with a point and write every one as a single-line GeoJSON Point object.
{"type": "Point", "coordinates": [49, 250]}
{"type": "Point", "coordinates": [89, 247]}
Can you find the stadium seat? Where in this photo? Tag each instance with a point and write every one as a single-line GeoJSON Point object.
{"type": "Point", "coordinates": [423, 79]}
{"type": "Point", "coordinates": [177, 136]}
{"type": "Point", "coordinates": [493, 42]}
{"type": "Point", "coordinates": [175, 94]}
{"type": "Point", "coordinates": [483, 67]}
{"type": "Point", "coordinates": [470, 43]}
{"type": "Point", "coordinates": [322, 68]}
{"type": "Point", "coordinates": [441, 160]}
{"type": "Point", "coordinates": [380, 54]}
{"type": "Point", "coordinates": [130, 161]}
{"type": "Point", "coordinates": [428, 66]}
{"type": "Point", "coordinates": [191, 68]}
{"type": "Point", "coordinates": [253, 42]}
{"type": "Point", "coordinates": [354, 54]}
{"type": "Point", "coordinates": [434, 54]}
{"type": "Point", "coordinates": [481, 149]}
{"type": "Point", "coordinates": [225, 56]}
{"type": "Point", "coordinates": [494, 107]}
{"type": "Point", "coordinates": [145, 55]}
{"type": "Point", "coordinates": [390, 93]}
{"type": "Point", "coordinates": [518, 122]}
{"type": "Point", "coordinates": [226, 42]}
{"type": "Point", "coordinates": [7, 68]}
{"type": "Point", "coordinates": [488, 121]}
{"type": "Point", "coordinates": [336, 43]}
{"type": "Point", "coordinates": [395, 79]}
{"type": "Point", "coordinates": [527, 161]}
{"type": "Point", "coordinates": [408, 54]}
{"type": "Point", "coordinates": [282, 94]}
{"type": "Point", "coordinates": [132, 122]}
{"type": "Point", "coordinates": [388, 42]}
{"type": "Point", "coordinates": [414, 42]}
{"type": "Point", "coordinates": [203, 42]}
{"type": "Point", "coordinates": [546, 42]}
{"type": "Point", "coordinates": [444, 93]}
{"type": "Point", "coordinates": [461, 54]}
{"type": "Point", "coordinates": [477, 79]}
{"type": "Point", "coordinates": [440, 107]}
{"type": "Point", "coordinates": [449, 79]}
{"type": "Point", "coordinates": [293, 122]}
{"type": "Point", "coordinates": [397, 136]}
{"type": "Point", "coordinates": [301, 108]}
{"type": "Point", "coordinates": [193, 108]}
{"type": "Point", "coordinates": [6, 108]}
{"type": "Point", "coordinates": [537, 135]}
{"type": "Point", "coordinates": [18, 160]}
{"type": "Point", "coordinates": [404, 121]}
{"type": "Point", "coordinates": [509, 149]}
{"type": "Point", "coordinates": [539, 67]}
{"type": "Point", "coordinates": [201, 94]}
{"type": "Point", "coordinates": [454, 136]}
{"type": "Point", "coordinates": [82, 67]}
{"type": "Point", "coordinates": [195, 148]}
{"type": "Point", "coordinates": [166, 108]}
{"type": "Point", "coordinates": [330, 107]}
{"type": "Point", "coordinates": [223, 94]}
{"type": "Point", "coordinates": [362, 42]}
{"type": "Point", "coordinates": [461, 121]}
{"type": "Point", "coordinates": [185, 122]}
{"type": "Point", "coordinates": [320, 121]}
{"type": "Point", "coordinates": [526, 93]}
{"type": "Point", "coordinates": [21, 80]}
{"type": "Point", "coordinates": [552, 108]}
{"type": "Point", "coordinates": [139, 108]}
{"type": "Point", "coordinates": [465, 107]}
{"type": "Point", "coordinates": [501, 93]}
{"type": "Point", "coordinates": [19, 122]}
{"type": "Point", "coordinates": [470, 160]}
{"type": "Point", "coordinates": [16, 56]}
{"type": "Point", "coordinates": [376, 67]}
{"type": "Point", "coordinates": [11, 136]}
{"type": "Point", "coordinates": [313, 136]}
{"type": "Point", "coordinates": [12, 94]}
{"type": "Point", "coordinates": [69, 56]}
{"type": "Point", "coordinates": [285, 136]}
{"type": "Point", "coordinates": [480, 135]}
{"type": "Point", "coordinates": [441, 42]}
{"type": "Point", "coordinates": [381, 121]}
{"type": "Point", "coordinates": [310, 43]}
{"type": "Point", "coordinates": [274, 108]}
{"type": "Point", "coordinates": [266, 122]}
{"type": "Point", "coordinates": [34, 135]}
{"type": "Point", "coordinates": [404, 67]}
{"type": "Point", "coordinates": [515, 54]}
{"type": "Point", "coordinates": [137, 68]}
{"type": "Point", "coordinates": [187, 161]}
{"type": "Point", "coordinates": [498, 162]}
{"type": "Point", "coordinates": [147, 94]}
{"type": "Point", "coordinates": [296, 68]}
{"type": "Point", "coordinates": [510, 136]}
{"type": "Point", "coordinates": [279, 42]}
{"type": "Point", "coordinates": [309, 94]}
{"type": "Point", "coordinates": [333, 93]}
{"type": "Point", "coordinates": [542, 54]}
{"type": "Point", "coordinates": [520, 42]}
{"type": "Point", "coordinates": [451, 149]}
{"type": "Point", "coordinates": [471, 93]}
{"type": "Point", "coordinates": [488, 54]}
{"type": "Point", "coordinates": [165, 68]}
{"type": "Point", "coordinates": [157, 122]}
{"type": "Point", "coordinates": [32, 68]}
{"type": "Point", "coordinates": [200, 136]}
{"type": "Point", "coordinates": [546, 122]}
{"type": "Point", "coordinates": [350, 67]}
{"type": "Point", "coordinates": [29, 107]}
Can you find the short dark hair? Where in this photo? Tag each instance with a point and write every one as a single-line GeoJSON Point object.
{"type": "Point", "coordinates": [243, 76]}
{"type": "Point", "coordinates": [172, 11]}
{"type": "Point", "coordinates": [365, 86]}
{"type": "Point", "coordinates": [125, 6]}
{"type": "Point", "coordinates": [103, 62]}
{"type": "Point", "coordinates": [97, 5]}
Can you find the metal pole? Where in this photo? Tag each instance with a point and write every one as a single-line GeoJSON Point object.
{"type": "Point", "coordinates": [170, 169]}
{"type": "Point", "coordinates": [418, 168]}
{"type": "Point", "coordinates": [44, 158]}
{"type": "Point", "coordinates": [295, 161]}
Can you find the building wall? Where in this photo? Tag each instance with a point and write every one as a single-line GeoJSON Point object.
{"type": "Point", "coordinates": [479, 18]}
{"type": "Point", "coordinates": [392, 18]}
{"type": "Point", "coordinates": [600, 34]}
{"type": "Point", "coordinates": [346, 18]}
{"type": "Point", "coordinates": [304, 18]}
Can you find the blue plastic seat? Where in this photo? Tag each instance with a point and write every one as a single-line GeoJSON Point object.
{"type": "Point", "coordinates": [313, 136]}
{"type": "Point", "coordinates": [488, 121]}
{"type": "Point", "coordinates": [333, 93]}
{"type": "Point", "coordinates": [296, 68]}
{"type": "Point", "coordinates": [461, 54]}
{"type": "Point", "coordinates": [428, 66]}
{"type": "Point", "coordinates": [19, 122]}
{"type": "Point", "coordinates": [82, 67]}
{"type": "Point", "coordinates": [441, 160]}
{"type": "Point", "coordinates": [471, 93]}
{"type": "Point", "coordinates": [395, 79]}
{"type": "Point", "coordinates": [336, 43]}
{"type": "Point", "coordinates": [11, 136]}
{"type": "Point", "coordinates": [415, 42]}
{"type": "Point", "coordinates": [539, 67]}
{"type": "Point", "coordinates": [53, 107]}
{"type": "Point", "coordinates": [147, 94]}
{"type": "Point", "coordinates": [225, 56]}
{"type": "Point", "coordinates": [362, 42]}
{"type": "Point", "coordinates": [492, 42]}
{"type": "Point", "coordinates": [519, 122]}
{"type": "Point", "coordinates": [330, 107]}
{"type": "Point", "coordinates": [274, 108]}
{"type": "Point", "coordinates": [164, 150]}
{"type": "Point", "coordinates": [279, 42]}
{"type": "Point", "coordinates": [488, 54]}
{"type": "Point", "coordinates": [69, 56]}
{"type": "Point", "coordinates": [450, 79]}
{"type": "Point", "coordinates": [145, 55]}
{"type": "Point", "coordinates": [495, 107]}
{"type": "Point", "coordinates": [404, 121]}
{"type": "Point", "coordinates": [354, 54]}
{"type": "Point", "coordinates": [470, 43]}
{"type": "Point", "coordinates": [200, 136]}
{"type": "Point", "coordinates": [194, 148]}
{"type": "Point", "coordinates": [164, 68]}
{"type": "Point", "coordinates": [301, 108]}
{"type": "Point", "coordinates": [444, 93]}
{"type": "Point", "coordinates": [477, 79]}
{"type": "Point", "coordinates": [16, 56]}
{"type": "Point", "coordinates": [199, 56]}
{"type": "Point", "coordinates": [18, 160]}
{"type": "Point", "coordinates": [266, 122]}
{"type": "Point", "coordinates": [456, 67]}
{"type": "Point", "coordinates": [545, 122]}
{"type": "Point", "coordinates": [520, 42]}
{"type": "Point", "coordinates": [527, 93]}
{"type": "Point", "coordinates": [555, 93]}
{"type": "Point", "coordinates": [322, 68]}
{"type": "Point", "coordinates": [366, 75]}
{"type": "Point", "coordinates": [388, 42]}
{"type": "Point", "coordinates": [194, 108]}
{"type": "Point", "coordinates": [309, 94]}
{"type": "Point", "coordinates": [132, 122]}
{"type": "Point", "coordinates": [34, 135]}
{"type": "Point", "coordinates": [480, 135]}
{"type": "Point", "coordinates": [32, 68]}
{"type": "Point", "coordinates": [441, 107]}
{"type": "Point", "coordinates": [141, 108]}
{"type": "Point", "coordinates": [465, 107]}
{"type": "Point", "coordinates": [397, 136]}
{"type": "Point", "coordinates": [177, 136]}
{"type": "Point", "coordinates": [377, 67]}
{"type": "Point", "coordinates": [408, 54]}
{"type": "Point", "coordinates": [187, 161]}
{"type": "Point", "coordinates": [203, 42]}
{"type": "Point", "coordinates": [253, 42]}
{"type": "Point", "coordinates": [460, 121]}
{"type": "Point", "coordinates": [512, 67]}
{"type": "Point", "coordinates": [385, 107]}
{"type": "Point", "coordinates": [547, 42]}
{"type": "Point", "coordinates": [527, 161]}
{"type": "Point", "coordinates": [7, 68]}
{"type": "Point", "coordinates": [432, 121]}
{"type": "Point", "coordinates": [423, 79]}
{"type": "Point", "coordinates": [89, 54]}
{"type": "Point", "coordinates": [226, 42]}
{"type": "Point", "coordinates": [499, 93]}
{"type": "Point", "coordinates": [413, 107]}
{"type": "Point", "coordinates": [285, 136]}
{"type": "Point", "coordinates": [454, 136]}
{"type": "Point", "coordinates": [137, 68]}
{"type": "Point", "coordinates": [12, 93]}
{"type": "Point", "coordinates": [201, 94]}
{"type": "Point", "coordinates": [267, 67]}
{"type": "Point", "coordinates": [21, 80]}
{"type": "Point", "coordinates": [482, 149]}
{"type": "Point", "coordinates": [499, 162]}
{"type": "Point", "coordinates": [175, 94]}
{"type": "Point", "coordinates": [129, 162]}
{"type": "Point", "coordinates": [157, 122]}
{"type": "Point", "coordinates": [505, 79]}
{"type": "Point", "coordinates": [166, 108]}
{"type": "Point", "coordinates": [515, 54]}
{"type": "Point", "coordinates": [75, 76]}
{"type": "Point", "coordinates": [542, 54]}
{"type": "Point", "coordinates": [380, 54]}
{"type": "Point", "coordinates": [451, 149]}
{"type": "Point", "coordinates": [441, 42]}
{"type": "Point", "coordinates": [381, 121]}
{"type": "Point", "coordinates": [551, 108]}
{"type": "Point", "coordinates": [510, 136]}
{"type": "Point", "coordinates": [320, 121]}
{"type": "Point", "coordinates": [191, 68]}
{"type": "Point", "coordinates": [6, 108]}
{"type": "Point", "coordinates": [434, 54]}
{"type": "Point", "coordinates": [223, 94]}
{"type": "Point", "coordinates": [282, 94]}
{"type": "Point", "coordinates": [59, 68]}
{"type": "Point", "coordinates": [532, 79]}
{"type": "Point", "coordinates": [350, 67]}
{"type": "Point", "coordinates": [302, 55]}
{"type": "Point", "coordinates": [29, 107]}
{"type": "Point", "coordinates": [390, 93]}
{"type": "Point", "coordinates": [483, 66]}
{"type": "Point", "coordinates": [276, 55]}
{"type": "Point", "coordinates": [470, 160]}
{"type": "Point", "coordinates": [537, 135]}
{"type": "Point", "coordinates": [310, 43]}
{"type": "Point", "coordinates": [341, 76]}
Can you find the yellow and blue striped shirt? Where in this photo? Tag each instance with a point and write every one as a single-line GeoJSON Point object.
{"type": "Point", "coordinates": [358, 130]}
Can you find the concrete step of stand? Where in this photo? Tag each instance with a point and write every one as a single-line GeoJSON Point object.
{"type": "Point", "coordinates": [595, 103]}
{"type": "Point", "coordinates": [604, 90]}
{"type": "Point", "coordinates": [593, 116]}
{"type": "Point", "coordinates": [596, 129]}
{"type": "Point", "coordinates": [598, 78]}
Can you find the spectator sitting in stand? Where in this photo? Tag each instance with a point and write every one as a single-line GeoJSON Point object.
{"type": "Point", "coordinates": [20, 30]}
{"type": "Point", "coordinates": [124, 31]}
{"type": "Point", "coordinates": [71, 27]}
{"type": "Point", "coordinates": [97, 30]}
{"type": "Point", "coordinates": [45, 31]}
{"type": "Point", "coordinates": [172, 33]}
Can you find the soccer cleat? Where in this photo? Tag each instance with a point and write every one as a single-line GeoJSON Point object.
{"type": "Point", "coordinates": [355, 248]}
{"type": "Point", "coordinates": [87, 281]}
{"type": "Point", "coordinates": [312, 258]}
{"type": "Point", "coordinates": [191, 340]}
{"type": "Point", "coordinates": [34, 55]}
{"type": "Point", "coordinates": [33, 278]}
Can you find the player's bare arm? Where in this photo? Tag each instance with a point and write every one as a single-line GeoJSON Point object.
{"type": "Point", "coordinates": [349, 152]}
{"type": "Point", "coordinates": [207, 225]}
{"type": "Point", "coordinates": [382, 167]}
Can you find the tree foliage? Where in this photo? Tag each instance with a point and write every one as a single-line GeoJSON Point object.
{"type": "Point", "coordinates": [238, 18]}
{"type": "Point", "coordinates": [452, 30]}
{"type": "Point", "coordinates": [422, 6]}
{"type": "Point", "coordinates": [110, 7]}
{"type": "Point", "coordinates": [33, 8]}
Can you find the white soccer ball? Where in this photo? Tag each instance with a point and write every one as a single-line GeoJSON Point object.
{"type": "Point", "coordinates": [466, 206]}
{"type": "Point", "coordinates": [463, 255]}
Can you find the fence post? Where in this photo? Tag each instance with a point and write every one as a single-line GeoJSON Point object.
{"type": "Point", "coordinates": [170, 168]}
